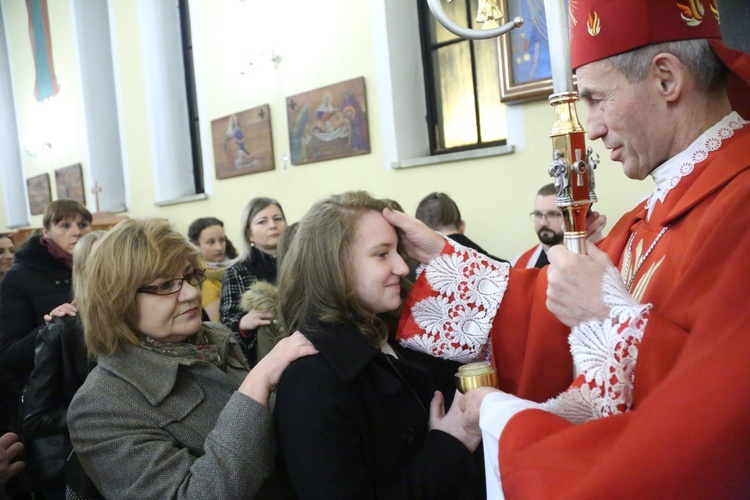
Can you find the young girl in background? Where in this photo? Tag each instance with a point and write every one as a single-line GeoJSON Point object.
{"type": "Point", "coordinates": [207, 233]}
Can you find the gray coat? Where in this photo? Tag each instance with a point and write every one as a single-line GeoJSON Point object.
{"type": "Point", "coordinates": [149, 426]}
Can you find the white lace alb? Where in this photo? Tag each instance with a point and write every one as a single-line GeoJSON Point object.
{"type": "Point", "coordinates": [458, 321]}
{"type": "Point", "coordinates": [605, 353]}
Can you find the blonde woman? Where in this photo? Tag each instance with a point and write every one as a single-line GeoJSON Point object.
{"type": "Point", "coordinates": [171, 410]}
{"type": "Point", "coordinates": [263, 223]}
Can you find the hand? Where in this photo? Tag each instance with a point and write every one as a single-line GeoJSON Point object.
{"type": "Point", "coordinates": [451, 422]}
{"type": "Point", "coordinates": [419, 241]}
{"type": "Point", "coordinates": [10, 448]}
{"type": "Point", "coordinates": [254, 319]}
{"type": "Point", "coordinates": [574, 289]}
{"type": "Point", "coordinates": [470, 405]}
{"type": "Point", "coordinates": [60, 311]}
{"type": "Point", "coordinates": [595, 224]}
{"type": "Point", "coordinates": [263, 379]}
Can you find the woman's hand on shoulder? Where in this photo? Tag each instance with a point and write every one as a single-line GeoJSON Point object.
{"type": "Point", "coordinates": [451, 422]}
{"type": "Point", "coordinates": [60, 311]}
{"type": "Point", "coordinates": [10, 448]}
{"type": "Point", "coordinates": [263, 379]}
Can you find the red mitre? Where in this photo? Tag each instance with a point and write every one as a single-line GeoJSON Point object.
{"type": "Point", "coordinates": [604, 28]}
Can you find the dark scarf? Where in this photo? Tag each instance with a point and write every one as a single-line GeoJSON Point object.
{"type": "Point", "coordinates": [261, 264]}
{"type": "Point", "coordinates": [57, 252]}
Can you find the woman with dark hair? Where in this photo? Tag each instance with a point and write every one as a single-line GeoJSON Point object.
{"type": "Point", "coordinates": [263, 223]}
{"type": "Point", "coordinates": [207, 233]}
{"type": "Point", "coordinates": [171, 410]}
{"type": "Point", "coordinates": [365, 408]}
{"type": "Point", "coordinates": [7, 254]}
{"type": "Point", "coordinates": [38, 282]}
{"type": "Point", "coordinates": [61, 364]}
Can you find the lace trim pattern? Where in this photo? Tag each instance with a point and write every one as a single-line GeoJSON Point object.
{"type": "Point", "coordinates": [698, 152]}
{"type": "Point", "coordinates": [456, 323]}
{"type": "Point", "coordinates": [605, 353]}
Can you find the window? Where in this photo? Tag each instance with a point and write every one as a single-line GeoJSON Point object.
{"type": "Point", "coordinates": [171, 104]}
{"type": "Point", "coordinates": [462, 83]}
{"type": "Point", "coordinates": [192, 99]}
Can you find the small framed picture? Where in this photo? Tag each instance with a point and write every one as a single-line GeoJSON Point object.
{"type": "Point", "coordinates": [69, 183]}
{"type": "Point", "coordinates": [329, 122]}
{"type": "Point", "coordinates": [243, 143]}
{"type": "Point", "coordinates": [40, 193]}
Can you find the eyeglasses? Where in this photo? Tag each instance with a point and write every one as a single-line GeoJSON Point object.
{"type": "Point", "coordinates": [550, 216]}
{"type": "Point", "coordinates": [173, 286]}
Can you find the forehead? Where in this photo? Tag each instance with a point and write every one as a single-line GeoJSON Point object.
{"type": "Point", "coordinates": [171, 271]}
{"type": "Point", "coordinates": [373, 230]}
{"type": "Point", "coordinates": [598, 76]}
{"type": "Point", "coordinates": [212, 231]}
{"type": "Point", "coordinates": [269, 211]}
{"type": "Point", "coordinates": [6, 242]}
{"type": "Point", "coordinates": [546, 203]}
{"type": "Point", "coordinates": [74, 218]}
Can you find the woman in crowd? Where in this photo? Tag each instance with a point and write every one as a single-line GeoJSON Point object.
{"type": "Point", "coordinates": [170, 411]}
{"type": "Point", "coordinates": [207, 233]}
{"type": "Point", "coordinates": [263, 222]}
{"type": "Point", "coordinates": [61, 364]}
{"type": "Point", "coordinates": [38, 282]}
{"type": "Point", "coordinates": [7, 254]}
{"type": "Point", "coordinates": [360, 408]}
{"type": "Point", "coordinates": [263, 297]}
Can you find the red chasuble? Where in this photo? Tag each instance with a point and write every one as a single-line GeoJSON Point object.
{"type": "Point", "coordinates": [686, 432]}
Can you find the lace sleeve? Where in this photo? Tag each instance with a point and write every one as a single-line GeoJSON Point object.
{"type": "Point", "coordinates": [605, 354]}
{"type": "Point", "coordinates": [457, 296]}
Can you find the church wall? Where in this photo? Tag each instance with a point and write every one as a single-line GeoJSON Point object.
{"type": "Point", "coordinates": [320, 43]}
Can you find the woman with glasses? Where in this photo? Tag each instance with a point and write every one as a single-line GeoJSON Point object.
{"type": "Point", "coordinates": [263, 222]}
{"type": "Point", "coordinates": [170, 411]}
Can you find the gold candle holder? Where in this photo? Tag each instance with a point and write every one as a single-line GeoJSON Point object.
{"type": "Point", "coordinates": [473, 375]}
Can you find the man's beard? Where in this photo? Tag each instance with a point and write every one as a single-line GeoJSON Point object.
{"type": "Point", "coordinates": [548, 237]}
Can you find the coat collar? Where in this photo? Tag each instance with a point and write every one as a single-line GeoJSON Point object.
{"type": "Point", "coordinates": [154, 374]}
{"type": "Point", "coordinates": [35, 255]}
{"type": "Point", "coordinates": [344, 348]}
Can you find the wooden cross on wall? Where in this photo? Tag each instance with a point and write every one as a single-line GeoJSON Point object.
{"type": "Point", "coordinates": [95, 191]}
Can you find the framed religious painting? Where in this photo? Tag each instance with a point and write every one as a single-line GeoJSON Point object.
{"type": "Point", "coordinates": [40, 193]}
{"type": "Point", "coordinates": [69, 183]}
{"type": "Point", "coordinates": [525, 68]}
{"type": "Point", "coordinates": [328, 123]}
{"type": "Point", "coordinates": [243, 143]}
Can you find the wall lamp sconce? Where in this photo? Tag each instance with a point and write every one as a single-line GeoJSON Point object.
{"type": "Point", "coordinates": [38, 149]}
{"type": "Point", "coordinates": [261, 61]}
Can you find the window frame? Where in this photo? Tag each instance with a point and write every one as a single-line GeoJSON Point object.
{"type": "Point", "coordinates": [428, 50]}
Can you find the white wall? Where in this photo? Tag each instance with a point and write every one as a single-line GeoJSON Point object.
{"type": "Point", "coordinates": [321, 43]}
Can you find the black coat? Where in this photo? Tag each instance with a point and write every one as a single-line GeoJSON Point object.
{"type": "Point", "coordinates": [61, 365]}
{"type": "Point", "coordinates": [465, 241]}
{"type": "Point", "coordinates": [37, 283]}
{"type": "Point", "coordinates": [353, 423]}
